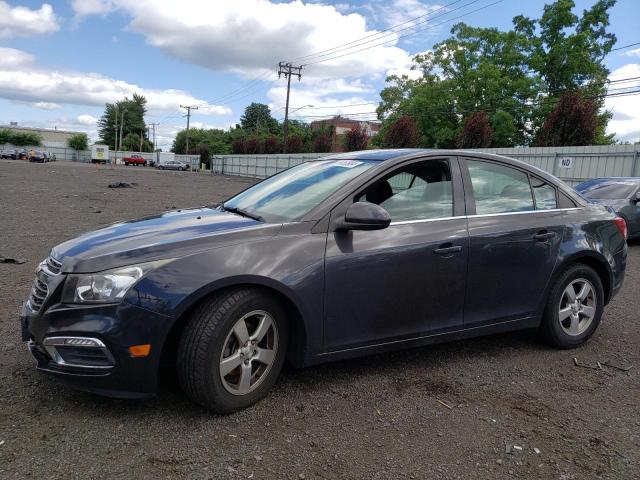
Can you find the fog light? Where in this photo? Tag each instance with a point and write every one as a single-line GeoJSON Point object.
{"type": "Point", "coordinates": [140, 350]}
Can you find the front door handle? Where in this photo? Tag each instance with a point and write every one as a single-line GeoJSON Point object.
{"type": "Point", "coordinates": [543, 236]}
{"type": "Point", "coordinates": [447, 249]}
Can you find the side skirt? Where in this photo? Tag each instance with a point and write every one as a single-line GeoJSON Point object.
{"type": "Point", "coordinates": [502, 327]}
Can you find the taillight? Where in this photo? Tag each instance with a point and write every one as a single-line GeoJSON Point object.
{"type": "Point", "coordinates": [621, 225]}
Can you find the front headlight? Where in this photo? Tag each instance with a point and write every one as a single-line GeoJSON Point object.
{"type": "Point", "coordinates": [105, 287]}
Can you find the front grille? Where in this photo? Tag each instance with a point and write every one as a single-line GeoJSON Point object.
{"type": "Point", "coordinates": [53, 265]}
{"type": "Point", "coordinates": [40, 288]}
{"type": "Point", "coordinates": [39, 292]}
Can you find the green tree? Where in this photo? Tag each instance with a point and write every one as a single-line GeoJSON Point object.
{"type": "Point", "coordinates": [79, 141]}
{"type": "Point", "coordinates": [20, 139]}
{"type": "Point", "coordinates": [257, 119]}
{"type": "Point", "coordinates": [131, 112]}
{"type": "Point", "coordinates": [515, 76]}
{"type": "Point", "coordinates": [217, 141]}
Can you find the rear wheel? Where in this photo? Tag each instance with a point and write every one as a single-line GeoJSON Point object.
{"type": "Point", "coordinates": [232, 350]}
{"type": "Point", "coordinates": [574, 307]}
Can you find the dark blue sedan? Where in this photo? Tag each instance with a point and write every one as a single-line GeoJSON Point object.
{"type": "Point", "coordinates": [350, 255]}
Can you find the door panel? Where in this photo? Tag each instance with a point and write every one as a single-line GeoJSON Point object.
{"type": "Point", "coordinates": [511, 258]}
{"type": "Point", "coordinates": [514, 238]}
{"type": "Point", "coordinates": [406, 280]}
{"type": "Point", "coordinates": [391, 284]}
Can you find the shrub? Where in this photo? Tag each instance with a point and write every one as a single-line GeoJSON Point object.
{"type": "Point", "coordinates": [253, 146]}
{"type": "Point", "coordinates": [322, 143]}
{"type": "Point", "coordinates": [239, 146]}
{"type": "Point", "coordinates": [356, 139]}
{"type": "Point", "coordinates": [272, 144]}
{"type": "Point", "coordinates": [476, 131]}
{"type": "Point", "coordinates": [574, 121]}
{"type": "Point", "coordinates": [295, 144]}
{"type": "Point", "coordinates": [402, 133]}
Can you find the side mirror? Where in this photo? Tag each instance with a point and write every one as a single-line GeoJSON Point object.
{"type": "Point", "coordinates": [365, 216]}
{"type": "Point", "coordinates": [635, 198]}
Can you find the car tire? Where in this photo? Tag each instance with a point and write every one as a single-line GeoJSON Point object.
{"type": "Point", "coordinates": [210, 346]}
{"type": "Point", "coordinates": [565, 323]}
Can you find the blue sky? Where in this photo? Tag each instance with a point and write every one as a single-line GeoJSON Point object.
{"type": "Point", "coordinates": [61, 61]}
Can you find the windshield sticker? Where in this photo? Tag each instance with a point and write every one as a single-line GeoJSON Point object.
{"type": "Point", "coordinates": [347, 163]}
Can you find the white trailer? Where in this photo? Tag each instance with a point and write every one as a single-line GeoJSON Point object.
{"type": "Point", "coordinates": [164, 157]}
{"type": "Point", "coordinates": [99, 153]}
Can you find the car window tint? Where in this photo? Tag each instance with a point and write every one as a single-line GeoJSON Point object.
{"type": "Point", "coordinates": [499, 189]}
{"type": "Point", "coordinates": [417, 192]}
{"type": "Point", "coordinates": [544, 194]}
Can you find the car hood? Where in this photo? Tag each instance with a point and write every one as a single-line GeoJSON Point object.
{"type": "Point", "coordinates": [172, 234]}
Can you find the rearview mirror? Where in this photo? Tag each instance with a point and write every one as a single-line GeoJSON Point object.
{"type": "Point", "coordinates": [365, 216]}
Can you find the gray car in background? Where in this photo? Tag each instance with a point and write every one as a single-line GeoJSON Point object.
{"type": "Point", "coordinates": [173, 165]}
{"type": "Point", "coordinates": [620, 194]}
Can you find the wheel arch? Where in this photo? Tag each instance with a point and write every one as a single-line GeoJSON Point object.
{"type": "Point", "coordinates": [297, 329]}
{"type": "Point", "coordinates": [593, 260]}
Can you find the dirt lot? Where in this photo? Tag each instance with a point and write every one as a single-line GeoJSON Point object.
{"type": "Point", "coordinates": [449, 411]}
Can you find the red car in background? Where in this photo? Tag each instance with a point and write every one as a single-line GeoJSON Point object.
{"type": "Point", "coordinates": [135, 160]}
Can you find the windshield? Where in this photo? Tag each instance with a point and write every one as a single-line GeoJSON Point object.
{"type": "Point", "coordinates": [607, 190]}
{"type": "Point", "coordinates": [289, 195]}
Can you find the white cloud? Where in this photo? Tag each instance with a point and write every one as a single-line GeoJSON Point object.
{"type": "Point", "coordinates": [399, 11]}
{"type": "Point", "coordinates": [23, 81]}
{"type": "Point", "coordinates": [626, 110]}
{"type": "Point", "coordinates": [85, 8]}
{"type": "Point", "coordinates": [22, 21]}
{"type": "Point", "coordinates": [633, 53]}
{"type": "Point", "coordinates": [46, 105]}
{"type": "Point", "coordinates": [86, 120]}
{"type": "Point", "coordinates": [249, 36]}
{"type": "Point", "coordinates": [10, 58]}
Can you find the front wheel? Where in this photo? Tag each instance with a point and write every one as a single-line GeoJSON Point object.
{"type": "Point", "coordinates": [574, 307]}
{"type": "Point", "coordinates": [232, 350]}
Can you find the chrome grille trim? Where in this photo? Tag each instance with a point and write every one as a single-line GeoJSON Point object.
{"type": "Point", "coordinates": [40, 289]}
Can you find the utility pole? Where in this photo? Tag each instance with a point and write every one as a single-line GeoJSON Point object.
{"type": "Point", "coordinates": [155, 147]}
{"type": "Point", "coordinates": [189, 108]}
{"type": "Point", "coordinates": [115, 143]}
{"type": "Point", "coordinates": [287, 70]}
{"type": "Point", "coordinates": [124, 110]}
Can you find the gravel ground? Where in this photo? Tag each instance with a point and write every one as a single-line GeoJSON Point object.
{"type": "Point", "coordinates": [446, 411]}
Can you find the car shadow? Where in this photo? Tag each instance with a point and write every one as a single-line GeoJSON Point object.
{"type": "Point", "coordinates": [170, 401]}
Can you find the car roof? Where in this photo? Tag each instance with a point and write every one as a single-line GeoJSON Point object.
{"type": "Point", "coordinates": [376, 155]}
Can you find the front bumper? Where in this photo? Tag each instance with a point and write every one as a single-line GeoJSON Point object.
{"type": "Point", "coordinates": [114, 328]}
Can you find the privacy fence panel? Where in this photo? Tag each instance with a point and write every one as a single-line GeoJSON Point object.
{"type": "Point", "coordinates": [571, 164]}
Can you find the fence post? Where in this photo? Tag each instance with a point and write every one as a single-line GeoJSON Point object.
{"type": "Point", "coordinates": [555, 164]}
{"type": "Point", "coordinates": [636, 162]}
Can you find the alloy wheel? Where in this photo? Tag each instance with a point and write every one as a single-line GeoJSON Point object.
{"type": "Point", "coordinates": [577, 307]}
{"type": "Point", "coordinates": [249, 352]}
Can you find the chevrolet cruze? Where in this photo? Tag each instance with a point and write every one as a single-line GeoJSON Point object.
{"type": "Point", "coordinates": [349, 255]}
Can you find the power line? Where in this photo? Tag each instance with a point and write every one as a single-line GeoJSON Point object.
{"type": "Point", "coordinates": [389, 42]}
{"type": "Point", "coordinates": [391, 29]}
{"type": "Point", "coordinates": [624, 46]}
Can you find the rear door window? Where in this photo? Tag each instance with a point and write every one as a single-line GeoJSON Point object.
{"type": "Point", "coordinates": [544, 194]}
{"type": "Point", "coordinates": [499, 189]}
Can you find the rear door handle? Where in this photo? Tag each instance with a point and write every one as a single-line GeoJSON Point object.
{"type": "Point", "coordinates": [450, 250]}
{"type": "Point", "coordinates": [543, 236]}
